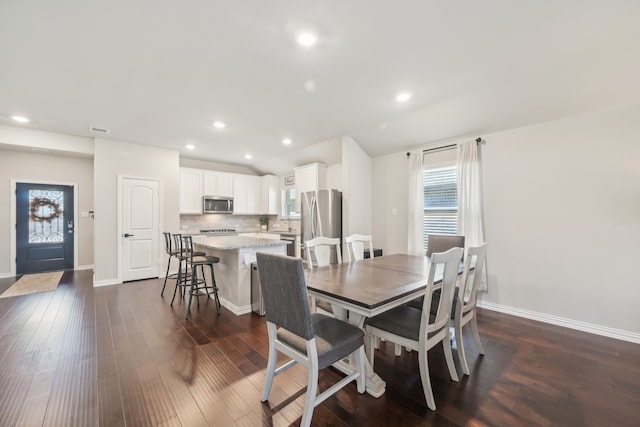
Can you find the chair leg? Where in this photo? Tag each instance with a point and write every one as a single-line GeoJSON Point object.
{"type": "Point", "coordinates": [193, 286]}
{"type": "Point", "coordinates": [359, 361]}
{"type": "Point", "coordinates": [448, 355]}
{"type": "Point", "coordinates": [426, 381]}
{"type": "Point", "coordinates": [476, 334]}
{"type": "Point", "coordinates": [397, 349]}
{"type": "Point", "coordinates": [166, 276]}
{"type": "Point", "coordinates": [310, 399]}
{"type": "Point", "coordinates": [214, 289]}
{"type": "Point", "coordinates": [462, 356]}
{"type": "Point", "coordinates": [178, 280]}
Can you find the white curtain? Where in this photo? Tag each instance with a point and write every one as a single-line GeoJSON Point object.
{"type": "Point", "coordinates": [470, 212]}
{"type": "Point", "coordinates": [416, 205]}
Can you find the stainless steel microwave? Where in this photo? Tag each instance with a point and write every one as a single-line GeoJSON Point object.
{"type": "Point", "coordinates": [217, 205]}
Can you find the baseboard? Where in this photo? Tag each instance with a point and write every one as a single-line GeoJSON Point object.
{"type": "Point", "coordinates": [6, 275]}
{"type": "Point", "coordinates": [85, 267]}
{"type": "Point", "coordinates": [234, 308]}
{"type": "Point", "coordinates": [561, 321]}
{"type": "Point", "coordinates": [107, 282]}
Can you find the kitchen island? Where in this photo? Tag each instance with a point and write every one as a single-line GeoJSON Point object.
{"type": "Point", "coordinates": [233, 272]}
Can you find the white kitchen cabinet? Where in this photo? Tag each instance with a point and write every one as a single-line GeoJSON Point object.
{"type": "Point", "coordinates": [246, 194]}
{"type": "Point", "coordinates": [269, 195]}
{"type": "Point", "coordinates": [218, 184]}
{"type": "Point", "coordinates": [311, 177]}
{"type": "Point", "coordinates": [190, 191]}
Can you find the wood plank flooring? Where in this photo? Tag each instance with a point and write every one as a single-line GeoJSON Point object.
{"type": "Point", "coordinates": [121, 356]}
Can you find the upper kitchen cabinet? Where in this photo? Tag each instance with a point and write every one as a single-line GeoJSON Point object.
{"type": "Point", "coordinates": [218, 184]}
{"type": "Point", "coordinates": [190, 191]}
{"type": "Point", "coordinates": [269, 195]}
{"type": "Point", "coordinates": [246, 194]}
{"type": "Point", "coordinates": [311, 177]}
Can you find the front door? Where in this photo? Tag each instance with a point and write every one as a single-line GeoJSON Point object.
{"type": "Point", "coordinates": [140, 228]}
{"type": "Point", "coordinates": [44, 227]}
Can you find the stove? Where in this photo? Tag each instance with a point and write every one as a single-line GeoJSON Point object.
{"type": "Point", "coordinates": [220, 232]}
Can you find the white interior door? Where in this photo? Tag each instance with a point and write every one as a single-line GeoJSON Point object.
{"type": "Point", "coordinates": [140, 228]}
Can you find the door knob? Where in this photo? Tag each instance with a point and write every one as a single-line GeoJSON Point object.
{"type": "Point", "coordinates": [127, 235]}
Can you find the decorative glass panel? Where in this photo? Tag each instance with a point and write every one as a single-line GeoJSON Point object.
{"type": "Point", "coordinates": [46, 218]}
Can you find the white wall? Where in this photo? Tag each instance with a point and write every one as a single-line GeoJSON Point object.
{"type": "Point", "coordinates": [114, 158]}
{"type": "Point", "coordinates": [562, 208]}
{"type": "Point", "coordinates": [41, 167]}
{"type": "Point", "coordinates": [356, 188]}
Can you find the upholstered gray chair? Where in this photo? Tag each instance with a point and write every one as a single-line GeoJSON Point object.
{"type": "Point", "coordinates": [311, 339]}
{"type": "Point", "coordinates": [420, 330]}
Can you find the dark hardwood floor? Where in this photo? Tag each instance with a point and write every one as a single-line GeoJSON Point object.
{"type": "Point", "coordinates": [121, 356]}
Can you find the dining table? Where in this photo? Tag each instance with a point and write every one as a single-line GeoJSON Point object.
{"type": "Point", "coordinates": [365, 288]}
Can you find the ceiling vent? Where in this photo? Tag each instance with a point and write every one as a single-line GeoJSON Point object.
{"type": "Point", "coordinates": [98, 130]}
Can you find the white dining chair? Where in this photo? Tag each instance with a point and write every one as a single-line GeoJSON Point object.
{"type": "Point", "coordinates": [356, 245]}
{"type": "Point", "coordinates": [314, 340]}
{"type": "Point", "coordinates": [464, 304]}
{"type": "Point", "coordinates": [319, 252]}
{"type": "Point", "coordinates": [320, 249]}
{"type": "Point", "coordinates": [419, 330]}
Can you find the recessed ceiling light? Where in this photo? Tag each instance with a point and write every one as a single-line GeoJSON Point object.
{"type": "Point", "coordinates": [219, 125]}
{"type": "Point", "coordinates": [402, 97]}
{"type": "Point", "coordinates": [287, 141]}
{"type": "Point", "coordinates": [248, 156]}
{"type": "Point", "coordinates": [20, 119]}
{"type": "Point", "coordinates": [310, 85]}
{"type": "Point", "coordinates": [189, 146]}
{"type": "Point", "coordinates": [307, 38]}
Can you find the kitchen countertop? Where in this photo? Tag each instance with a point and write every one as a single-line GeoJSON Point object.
{"type": "Point", "coordinates": [235, 242]}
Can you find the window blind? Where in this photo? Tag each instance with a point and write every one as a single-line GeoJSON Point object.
{"type": "Point", "coordinates": [440, 201]}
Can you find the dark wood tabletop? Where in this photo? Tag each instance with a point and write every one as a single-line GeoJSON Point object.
{"type": "Point", "coordinates": [371, 286]}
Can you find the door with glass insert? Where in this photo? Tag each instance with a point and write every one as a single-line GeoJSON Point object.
{"type": "Point", "coordinates": [44, 227]}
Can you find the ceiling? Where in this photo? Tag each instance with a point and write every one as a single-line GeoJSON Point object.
{"type": "Point", "coordinates": [160, 72]}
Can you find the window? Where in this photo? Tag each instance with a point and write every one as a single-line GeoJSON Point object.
{"type": "Point", "coordinates": [289, 203]}
{"type": "Point", "coordinates": [440, 201]}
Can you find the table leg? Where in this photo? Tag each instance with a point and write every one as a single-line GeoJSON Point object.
{"type": "Point", "coordinates": [374, 385]}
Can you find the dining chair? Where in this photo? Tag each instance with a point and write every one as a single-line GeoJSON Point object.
{"type": "Point", "coordinates": [356, 245]}
{"type": "Point", "coordinates": [420, 330]}
{"type": "Point", "coordinates": [463, 311]}
{"type": "Point", "coordinates": [322, 248]}
{"type": "Point", "coordinates": [311, 339]}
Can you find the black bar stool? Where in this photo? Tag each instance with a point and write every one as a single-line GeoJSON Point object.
{"type": "Point", "coordinates": [172, 253]}
{"type": "Point", "coordinates": [199, 287]}
{"type": "Point", "coordinates": [183, 276]}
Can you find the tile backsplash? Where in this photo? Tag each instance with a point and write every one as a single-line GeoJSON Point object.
{"type": "Point", "coordinates": [241, 223]}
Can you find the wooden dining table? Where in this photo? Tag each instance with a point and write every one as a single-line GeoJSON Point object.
{"type": "Point", "coordinates": [368, 287]}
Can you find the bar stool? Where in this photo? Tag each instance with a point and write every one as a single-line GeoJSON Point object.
{"type": "Point", "coordinates": [183, 276]}
{"type": "Point", "coordinates": [172, 253]}
{"type": "Point", "coordinates": [199, 287]}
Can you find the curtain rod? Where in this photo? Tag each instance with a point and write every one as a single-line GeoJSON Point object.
{"type": "Point", "coordinates": [444, 147]}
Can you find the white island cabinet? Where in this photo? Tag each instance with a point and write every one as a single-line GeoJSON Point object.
{"type": "Point", "coordinates": [233, 272]}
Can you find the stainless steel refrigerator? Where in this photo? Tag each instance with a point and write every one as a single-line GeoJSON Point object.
{"type": "Point", "coordinates": [321, 214]}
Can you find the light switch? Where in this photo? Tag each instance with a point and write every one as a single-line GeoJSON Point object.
{"type": "Point", "coordinates": [84, 214]}
{"type": "Point", "coordinates": [394, 211]}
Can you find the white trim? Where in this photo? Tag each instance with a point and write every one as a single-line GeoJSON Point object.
{"type": "Point", "coordinates": [76, 204]}
{"type": "Point", "coordinates": [106, 282]}
{"type": "Point", "coordinates": [6, 275]}
{"type": "Point", "coordinates": [85, 267]}
{"type": "Point", "coordinates": [561, 321]}
{"type": "Point", "coordinates": [232, 307]}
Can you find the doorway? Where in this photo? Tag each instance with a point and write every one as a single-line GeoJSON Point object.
{"type": "Point", "coordinates": [140, 229]}
{"type": "Point", "coordinates": [45, 227]}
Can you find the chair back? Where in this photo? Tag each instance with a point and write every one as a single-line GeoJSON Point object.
{"type": "Point", "coordinates": [449, 264]}
{"type": "Point", "coordinates": [167, 242]}
{"type": "Point", "coordinates": [284, 290]}
{"type": "Point", "coordinates": [187, 247]}
{"type": "Point", "coordinates": [356, 244]}
{"type": "Point", "coordinates": [468, 289]}
{"type": "Point", "coordinates": [178, 246]}
{"type": "Point", "coordinates": [442, 243]}
{"type": "Point", "coordinates": [322, 248]}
